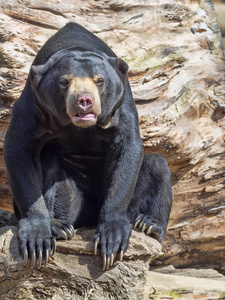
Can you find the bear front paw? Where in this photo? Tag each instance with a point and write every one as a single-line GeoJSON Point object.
{"type": "Point", "coordinates": [112, 237]}
{"type": "Point", "coordinates": [35, 241]}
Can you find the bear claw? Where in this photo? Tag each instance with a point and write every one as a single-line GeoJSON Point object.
{"type": "Point", "coordinates": [121, 255]}
{"type": "Point", "coordinates": [108, 261]}
{"type": "Point", "coordinates": [46, 257]}
{"type": "Point", "coordinates": [112, 260]}
{"type": "Point", "coordinates": [36, 259]}
{"type": "Point", "coordinates": [96, 245]}
{"type": "Point", "coordinates": [53, 248]}
{"type": "Point", "coordinates": [25, 257]}
{"type": "Point", "coordinates": [39, 260]}
{"type": "Point", "coordinates": [150, 226]}
{"type": "Point", "coordinates": [137, 221]}
{"type": "Point", "coordinates": [149, 230]}
{"type": "Point", "coordinates": [33, 259]}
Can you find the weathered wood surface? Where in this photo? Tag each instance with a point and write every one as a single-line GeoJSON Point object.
{"type": "Point", "coordinates": [220, 13]}
{"type": "Point", "coordinates": [74, 272]}
{"type": "Point", "coordinates": [176, 72]}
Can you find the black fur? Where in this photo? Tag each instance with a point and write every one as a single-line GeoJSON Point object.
{"type": "Point", "coordinates": [62, 176]}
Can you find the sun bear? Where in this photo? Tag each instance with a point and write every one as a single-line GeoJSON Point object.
{"type": "Point", "coordinates": [74, 156]}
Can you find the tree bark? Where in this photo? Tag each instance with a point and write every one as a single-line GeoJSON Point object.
{"type": "Point", "coordinates": [174, 52]}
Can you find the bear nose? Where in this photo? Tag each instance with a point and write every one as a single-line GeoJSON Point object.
{"type": "Point", "coordinates": [84, 101]}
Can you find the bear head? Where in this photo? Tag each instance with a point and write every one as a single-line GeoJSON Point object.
{"type": "Point", "coordinates": [80, 87]}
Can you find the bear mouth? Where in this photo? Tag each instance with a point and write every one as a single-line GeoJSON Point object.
{"type": "Point", "coordinates": [84, 117]}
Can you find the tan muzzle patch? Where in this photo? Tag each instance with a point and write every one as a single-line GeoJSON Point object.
{"type": "Point", "coordinates": [83, 101]}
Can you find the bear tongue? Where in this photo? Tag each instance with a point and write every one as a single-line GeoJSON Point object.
{"type": "Point", "coordinates": [86, 116]}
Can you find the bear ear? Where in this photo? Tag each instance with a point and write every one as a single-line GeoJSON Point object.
{"type": "Point", "coordinates": [36, 73]}
{"type": "Point", "coordinates": [122, 67]}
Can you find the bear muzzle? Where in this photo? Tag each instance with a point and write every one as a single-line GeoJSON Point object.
{"type": "Point", "coordinates": [83, 111]}
{"type": "Point", "coordinates": [83, 102]}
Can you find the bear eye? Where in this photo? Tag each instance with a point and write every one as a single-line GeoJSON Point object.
{"type": "Point", "coordinates": [99, 81]}
{"type": "Point", "coordinates": [64, 82]}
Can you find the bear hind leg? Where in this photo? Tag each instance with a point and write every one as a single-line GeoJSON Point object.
{"type": "Point", "coordinates": [151, 203]}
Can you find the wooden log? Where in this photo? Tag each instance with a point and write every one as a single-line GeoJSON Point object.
{"type": "Point", "coordinates": [74, 272]}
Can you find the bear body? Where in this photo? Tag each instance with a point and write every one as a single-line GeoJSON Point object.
{"type": "Point", "coordinates": [74, 155]}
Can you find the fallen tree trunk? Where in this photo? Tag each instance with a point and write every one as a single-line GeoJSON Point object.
{"type": "Point", "coordinates": [74, 272]}
{"type": "Point", "coordinates": [177, 76]}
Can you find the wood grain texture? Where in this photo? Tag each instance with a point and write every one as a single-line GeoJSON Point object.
{"type": "Point", "coordinates": [74, 272]}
